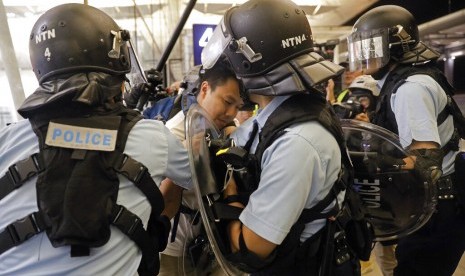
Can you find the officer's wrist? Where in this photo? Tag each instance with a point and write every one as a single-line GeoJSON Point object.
{"type": "Point", "coordinates": [234, 200]}
{"type": "Point", "coordinates": [237, 204]}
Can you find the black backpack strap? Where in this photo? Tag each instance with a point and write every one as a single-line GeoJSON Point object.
{"type": "Point", "coordinates": [445, 112]}
{"type": "Point", "coordinates": [137, 173]}
{"type": "Point", "coordinates": [183, 209]}
{"type": "Point", "coordinates": [383, 115]}
{"type": "Point", "coordinates": [132, 169]}
{"type": "Point", "coordinates": [316, 212]}
{"type": "Point", "coordinates": [19, 173]}
{"type": "Point", "coordinates": [150, 241]}
{"type": "Point", "coordinates": [131, 225]}
{"type": "Point", "coordinates": [175, 226]}
{"type": "Point", "coordinates": [21, 230]}
{"type": "Point", "coordinates": [304, 108]}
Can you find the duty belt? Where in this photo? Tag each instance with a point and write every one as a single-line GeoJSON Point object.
{"type": "Point", "coordinates": [446, 188]}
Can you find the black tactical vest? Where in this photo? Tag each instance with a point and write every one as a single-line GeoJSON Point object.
{"type": "Point", "coordinates": [291, 253]}
{"type": "Point", "coordinates": [384, 116]}
{"type": "Point", "coordinates": [77, 187]}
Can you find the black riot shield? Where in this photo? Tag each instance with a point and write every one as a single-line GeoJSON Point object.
{"type": "Point", "coordinates": [208, 177]}
{"type": "Point", "coordinates": [396, 201]}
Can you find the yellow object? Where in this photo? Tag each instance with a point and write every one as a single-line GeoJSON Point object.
{"type": "Point", "coordinates": [221, 151]}
{"type": "Point", "coordinates": [367, 266]}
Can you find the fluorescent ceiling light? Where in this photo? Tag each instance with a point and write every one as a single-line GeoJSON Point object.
{"type": "Point", "coordinates": [298, 2]}
{"type": "Point", "coordinates": [95, 3]}
{"type": "Point", "coordinates": [456, 54]}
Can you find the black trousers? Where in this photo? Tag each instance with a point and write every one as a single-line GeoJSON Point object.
{"type": "Point", "coordinates": [436, 248]}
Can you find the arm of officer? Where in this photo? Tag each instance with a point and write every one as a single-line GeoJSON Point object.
{"type": "Point", "coordinates": [415, 107]}
{"type": "Point", "coordinates": [260, 246]}
{"type": "Point", "coordinates": [427, 158]}
{"type": "Point", "coordinates": [433, 158]}
{"type": "Point", "coordinates": [411, 159]}
{"type": "Point", "coordinates": [172, 195]}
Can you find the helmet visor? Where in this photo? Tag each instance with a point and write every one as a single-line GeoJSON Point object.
{"type": "Point", "coordinates": [368, 49]}
{"type": "Point", "coordinates": [215, 46]}
{"type": "Point", "coordinates": [136, 75]}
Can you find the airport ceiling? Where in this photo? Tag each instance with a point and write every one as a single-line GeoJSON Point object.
{"type": "Point", "coordinates": [442, 23]}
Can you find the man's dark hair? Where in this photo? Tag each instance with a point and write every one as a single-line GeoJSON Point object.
{"type": "Point", "coordinates": [219, 74]}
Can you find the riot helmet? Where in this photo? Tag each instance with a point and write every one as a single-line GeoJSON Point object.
{"type": "Point", "coordinates": [75, 37]}
{"type": "Point", "coordinates": [366, 83]}
{"type": "Point", "coordinates": [364, 91]}
{"type": "Point", "coordinates": [386, 33]}
{"type": "Point", "coordinates": [269, 44]}
{"type": "Point", "coordinates": [362, 98]}
{"type": "Point", "coordinates": [251, 47]}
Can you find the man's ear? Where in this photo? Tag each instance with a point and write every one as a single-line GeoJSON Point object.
{"type": "Point", "coordinates": [203, 90]}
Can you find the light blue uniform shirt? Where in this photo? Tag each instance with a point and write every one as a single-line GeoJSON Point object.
{"type": "Point", "coordinates": [149, 142]}
{"type": "Point", "coordinates": [298, 170]}
{"type": "Point", "coordinates": [416, 105]}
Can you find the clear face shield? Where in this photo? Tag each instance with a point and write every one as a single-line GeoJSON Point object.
{"type": "Point", "coordinates": [221, 39]}
{"type": "Point", "coordinates": [215, 46]}
{"type": "Point", "coordinates": [368, 50]}
{"type": "Point", "coordinates": [136, 75]}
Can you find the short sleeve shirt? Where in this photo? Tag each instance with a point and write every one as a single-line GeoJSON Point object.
{"type": "Point", "coordinates": [297, 170]}
{"type": "Point", "coordinates": [416, 105]}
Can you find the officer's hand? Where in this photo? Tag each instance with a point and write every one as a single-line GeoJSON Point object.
{"type": "Point", "coordinates": [132, 98]}
{"type": "Point", "coordinates": [428, 163]}
{"type": "Point", "coordinates": [154, 77]}
{"type": "Point", "coordinates": [389, 163]}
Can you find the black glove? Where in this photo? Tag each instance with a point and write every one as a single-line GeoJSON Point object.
{"type": "Point", "coordinates": [137, 92]}
{"type": "Point", "coordinates": [428, 164]}
{"type": "Point", "coordinates": [154, 77]}
{"type": "Point", "coordinates": [389, 163]}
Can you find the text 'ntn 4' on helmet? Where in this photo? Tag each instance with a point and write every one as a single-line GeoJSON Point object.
{"type": "Point", "coordinates": [77, 38]}
{"type": "Point", "coordinates": [384, 33]}
{"type": "Point", "coordinates": [269, 45]}
{"type": "Point", "coordinates": [258, 36]}
{"type": "Point", "coordinates": [367, 83]}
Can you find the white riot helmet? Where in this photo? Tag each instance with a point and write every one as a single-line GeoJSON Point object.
{"type": "Point", "coordinates": [365, 82]}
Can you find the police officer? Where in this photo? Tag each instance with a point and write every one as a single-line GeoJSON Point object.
{"type": "Point", "coordinates": [385, 43]}
{"type": "Point", "coordinates": [78, 178]}
{"type": "Point", "coordinates": [269, 44]}
{"type": "Point", "coordinates": [218, 92]}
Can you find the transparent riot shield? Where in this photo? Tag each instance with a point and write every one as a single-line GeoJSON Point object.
{"type": "Point", "coordinates": [396, 201]}
{"type": "Point", "coordinates": [208, 178]}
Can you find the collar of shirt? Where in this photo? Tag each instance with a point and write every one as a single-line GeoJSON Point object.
{"type": "Point", "coordinates": [382, 81]}
{"type": "Point", "coordinates": [263, 114]}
